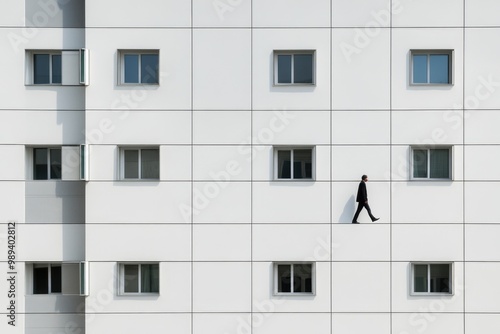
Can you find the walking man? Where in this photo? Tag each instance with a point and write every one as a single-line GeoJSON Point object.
{"type": "Point", "coordinates": [362, 199]}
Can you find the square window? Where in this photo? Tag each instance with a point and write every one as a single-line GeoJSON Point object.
{"type": "Point", "coordinates": [141, 163]}
{"type": "Point", "coordinates": [47, 68]}
{"type": "Point", "coordinates": [57, 67]}
{"type": "Point", "coordinates": [431, 163]}
{"type": "Point", "coordinates": [139, 67]}
{"type": "Point", "coordinates": [139, 278]}
{"type": "Point", "coordinates": [431, 278]}
{"type": "Point", "coordinates": [431, 67]}
{"type": "Point", "coordinates": [47, 278]}
{"type": "Point", "coordinates": [294, 67]}
{"type": "Point", "coordinates": [294, 163]}
{"type": "Point", "coordinates": [294, 278]}
{"type": "Point", "coordinates": [47, 164]}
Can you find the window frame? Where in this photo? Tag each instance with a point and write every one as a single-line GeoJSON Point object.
{"type": "Point", "coordinates": [139, 178]}
{"type": "Point", "coordinates": [84, 56]}
{"type": "Point", "coordinates": [84, 286]}
{"type": "Point", "coordinates": [292, 293]}
{"type": "Point", "coordinates": [49, 266]}
{"type": "Point", "coordinates": [33, 162]}
{"type": "Point", "coordinates": [31, 67]}
{"type": "Point", "coordinates": [429, 148]}
{"type": "Point", "coordinates": [121, 279]}
{"type": "Point", "coordinates": [451, 275]}
{"type": "Point", "coordinates": [139, 52]}
{"type": "Point", "coordinates": [84, 168]}
{"type": "Point", "coordinates": [451, 59]}
{"type": "Point", "coordinates": [277, 53]}
{"type": "Point", "coordinates": [276, 149]}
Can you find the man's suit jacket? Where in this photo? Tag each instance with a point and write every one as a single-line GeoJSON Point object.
{"type": "Point", "coordinates": [362, 194]}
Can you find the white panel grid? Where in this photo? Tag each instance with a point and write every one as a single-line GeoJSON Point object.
{"type": "Point", "coordinates": [474, 195]}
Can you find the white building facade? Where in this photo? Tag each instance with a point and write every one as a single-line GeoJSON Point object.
{"type": "Point", "coordinates": [191, 166]}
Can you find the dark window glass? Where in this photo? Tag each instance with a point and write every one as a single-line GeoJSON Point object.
{"type": "Point", "coordinates": [302, 164]}
{"type": "Point", "coordinates": [55, 279]}
{"type": "Point", "coordinates": [82, 162]}
{"type": "Point", "coordinates": [284, 165]}
{"type": "Point", "coordinates": [419, 163]}
{"type": "Point", "coordinates": [131, 164]}
{"type": "Point", "coordinates": [150, 164]}
{"type": "Point", "coordinates": [150, 278]}
{"type": "Point", "coordinates": [82, 65]}
{"type": "Point", "coordinates": [440, 278]}
{"type": "Point", "coordinates": [131, 68]}
{"type": "Point", "coordinates": [284, 69]}
{"type": "Point", "coordinates": [303, 68]}
{"type": "Point", "coordinates": [40, 280]}
{"type": "Point", "coordinates": [439, 69]}
{"type": "Point", "coordinates": [420, 68]}
{"type": "Point", "coordinates": [55, 164]}
{"type": "Point", "coordinates": [56, 69]}
{"type": "Point", "coordinates": [131, 278]}
{"type": "Point", "coordinates": [440, 163]}
{"type": "Point", "coordinates": [420, 278]}
{"type": "Point", "coordinates": [149, 68]}
{"type": "Point", "coordinates": [43, 158]}
{"type": "Point", "coordinates": [82, 279]}
{"type": "Point", "coordinates": [41, 64]}
{"type": "Point", "coordinates": [302, 278]}
{"type": "Point", "coordinates": [284, 278]}
{"type": "Point", "coordinates": [40, 168]}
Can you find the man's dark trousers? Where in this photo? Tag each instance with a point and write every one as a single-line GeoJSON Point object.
{"type": "Point", "coordinates": [360, 207]}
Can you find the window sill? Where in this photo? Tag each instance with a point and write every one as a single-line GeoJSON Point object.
{"type": "Point", "coordinates": [294, 84]}
{"type": "Point", "coordinates": [55, 85]}
{"type": "Point", "coordinates": [430, 180]}
{"type": "Point", "coordinates": [123, 84]}
{"type": "Point", "coordinates": [431, 85]}
{"type": "Point", "coordinates": [51, 85]}
{"type": "Point", "coordinates": [55, 294]}
{"type": "Point", "coordinates": [293, 294]}
{"type": "Point", "coordinates": [430, 294]}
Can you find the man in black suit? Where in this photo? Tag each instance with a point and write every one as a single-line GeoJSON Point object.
{"type": "Point", "coordinates": [362, 199]}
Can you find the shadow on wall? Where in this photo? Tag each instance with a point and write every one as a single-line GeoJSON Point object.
{"type": "Point", "coordinates": [348, 211]}
{"type": "Point", "coordinates": [55, 14]}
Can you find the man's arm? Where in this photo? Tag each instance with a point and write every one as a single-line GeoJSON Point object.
{"type": "Point", "coordinates": [365, 193]}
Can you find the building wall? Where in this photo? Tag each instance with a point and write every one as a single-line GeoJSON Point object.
{"type": "Point", "coordinates": [49, 214]}
{"type": "Point", "coordinates": [216, 219]}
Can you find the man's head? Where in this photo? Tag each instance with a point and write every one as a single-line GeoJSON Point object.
{"type": "Point", "coordinates": [364, 178]}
